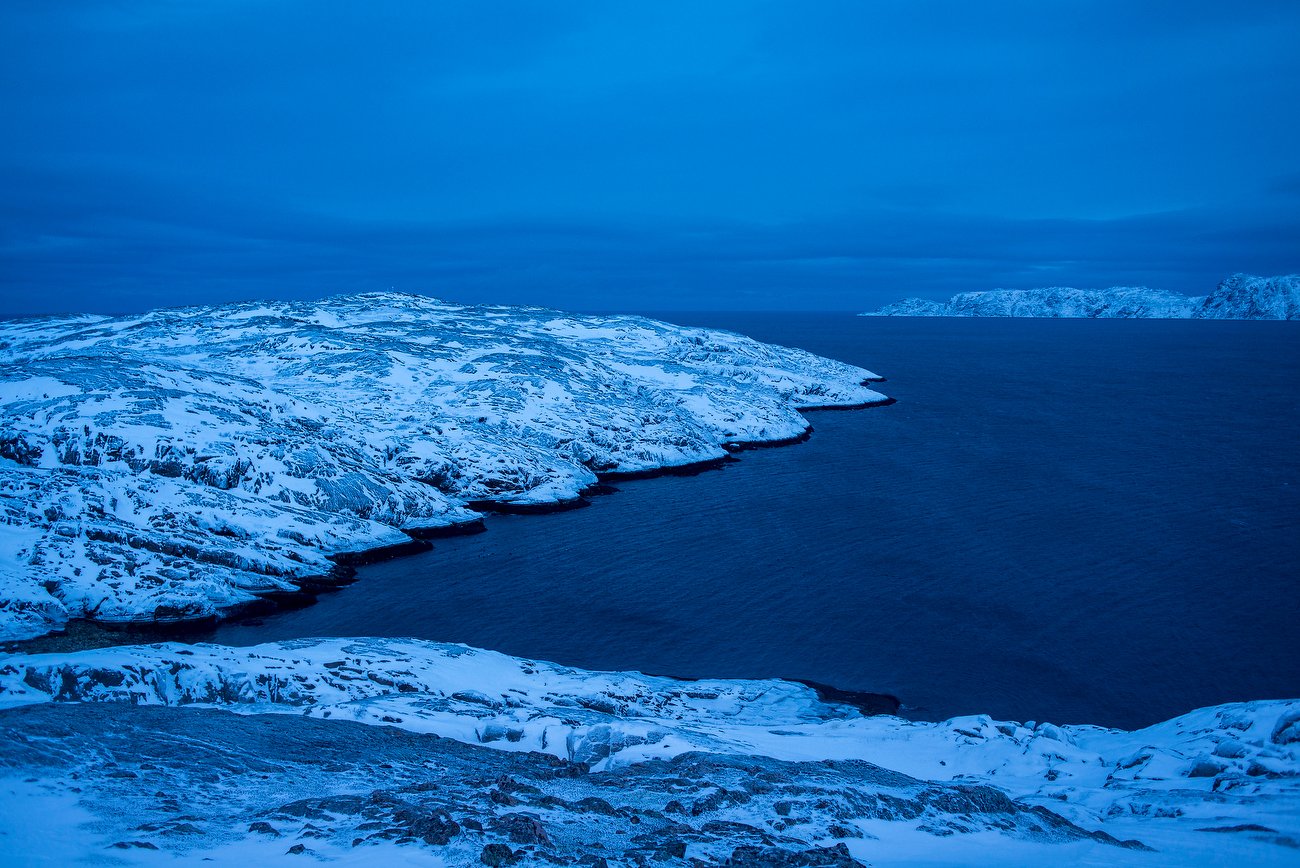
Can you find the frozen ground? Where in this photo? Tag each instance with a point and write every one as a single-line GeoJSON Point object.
{"type": "Point", "coordinates": [332, 747]}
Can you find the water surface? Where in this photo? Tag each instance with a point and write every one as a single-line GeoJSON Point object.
{"type": "Point", "coordinates": [1068, 520]}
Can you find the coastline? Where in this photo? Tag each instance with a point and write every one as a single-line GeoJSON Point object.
{"type": "Point", "coordinates": [1064, 780]}
{"type": "Point", "coordinates": [94, 632]}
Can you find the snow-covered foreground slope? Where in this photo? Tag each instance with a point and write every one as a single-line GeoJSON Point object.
{"type": "Point", "coordinates": [179, 463]}
{"type": "Point", "coordinates": [620, 765]}
{"type": "Point", "coordinates": [1241, 296]}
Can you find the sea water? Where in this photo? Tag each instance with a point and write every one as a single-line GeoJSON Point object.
{"type": "Point", "coordinates": [1081, 521]}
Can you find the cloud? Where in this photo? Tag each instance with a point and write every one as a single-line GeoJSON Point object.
{"type": "Point", "coordinates": [621, 155]}
{"type": "Point", "coordinates": [131, 243]}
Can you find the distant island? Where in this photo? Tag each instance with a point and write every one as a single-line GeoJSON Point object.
{"type": "Point", "coordinates": [1242, 296]}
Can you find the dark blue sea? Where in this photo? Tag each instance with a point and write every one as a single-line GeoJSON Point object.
{"type": "Point", "coordinates": [1088, 521]}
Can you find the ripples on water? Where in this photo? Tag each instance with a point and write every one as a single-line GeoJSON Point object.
{"type": "Point", "coordinates": [1067, 520]}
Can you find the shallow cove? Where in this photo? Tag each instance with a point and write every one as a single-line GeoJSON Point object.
{"type": "Point", "coordinates": [1070, 520]}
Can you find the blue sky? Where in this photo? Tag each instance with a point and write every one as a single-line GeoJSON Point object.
{"type": "Point", "coordinates": [618, 155]}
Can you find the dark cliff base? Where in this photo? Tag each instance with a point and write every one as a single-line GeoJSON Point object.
{"type": "Point", "coordinates": [460, 528]}
{"type": "Point", "coordinates": [381, 553]}
{"type": "Point", "coordinates": [605, 477]}
{"type": "Point", "coordinates": [746, 445]}
{"type": "Point", "coordinates": [863, 406]}
{"type": "Point", "coordinates": [694, 468]}
{"type": "Point", "coordinates": [506, 507]}
{"type": "Point", "coordinates": [867, 703]}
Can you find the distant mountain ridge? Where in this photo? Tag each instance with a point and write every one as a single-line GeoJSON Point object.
{"type": "Point", "coordinates": [1241, 296]}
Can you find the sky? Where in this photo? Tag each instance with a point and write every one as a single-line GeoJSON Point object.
{"type": "Point", "coordinates": [613, 155]}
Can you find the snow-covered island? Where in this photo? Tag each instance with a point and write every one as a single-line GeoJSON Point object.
{"type": "Point", "coordinates": [1241, 296]}
{"type": "Point", "coordinates": [185, 463]}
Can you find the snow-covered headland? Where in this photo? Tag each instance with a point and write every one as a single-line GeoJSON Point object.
{"type": "Point", "coordinates": [1241, 296]}
{"type": "Point", "coordinates": [183, 463]}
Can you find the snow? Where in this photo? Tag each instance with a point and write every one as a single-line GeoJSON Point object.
{"type": "Point", "coordinates": [309, 429]}
{"type": "Point", "coordinates": [1241, 296]}
{"type": "Point", "coordinates": [1244, 296]}
{"type": "Point", "coordinates": [180, 463]}
{"type": "Point", "coordinates": [1214, 768]}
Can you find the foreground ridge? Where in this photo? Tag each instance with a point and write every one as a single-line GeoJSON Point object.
{"type": "Point", "coordinates": [1241, 296]}
{"type": "Point", "coordinates": [178, 464]}
{"type": "Point", "coordinates": [377, 743]}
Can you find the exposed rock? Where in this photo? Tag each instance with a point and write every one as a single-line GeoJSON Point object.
{"type": "Point", "coordinates": [772, 857]}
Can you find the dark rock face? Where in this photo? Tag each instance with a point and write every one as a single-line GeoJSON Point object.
{"type": "Point", "coordinates": [435, 828]}
{"type": "Point", "coordinates": [772, 857]}
{"type": "Point", "coordinates": [497, 854]}
{"type": "Point", "coordinates": [310, 784]}
{"type": "Point", "coordinates": [520, 828]}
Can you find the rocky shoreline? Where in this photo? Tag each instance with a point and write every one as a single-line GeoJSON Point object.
{"type": "Point", "coordinates": [344, 573]}
{"type": "Point", "coordinates": [187, 464]}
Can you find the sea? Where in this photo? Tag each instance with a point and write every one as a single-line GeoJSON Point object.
{"type": "Point", "coordinates": [1076, 521]}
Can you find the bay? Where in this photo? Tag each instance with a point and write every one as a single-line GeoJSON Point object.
{"type": "Point", "coordinates": [1082, 521]}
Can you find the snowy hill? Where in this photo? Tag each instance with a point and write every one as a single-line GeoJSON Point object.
{"type": "Point", "coordinates": [178, 463]}
{"type": "Point", "coordinates": [616, 766]}
{"type": "Point", "coordinates": [1239, 297]}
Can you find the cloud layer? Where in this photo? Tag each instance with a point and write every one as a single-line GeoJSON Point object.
{"type": "Point", "coordinates": [609, 155]}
